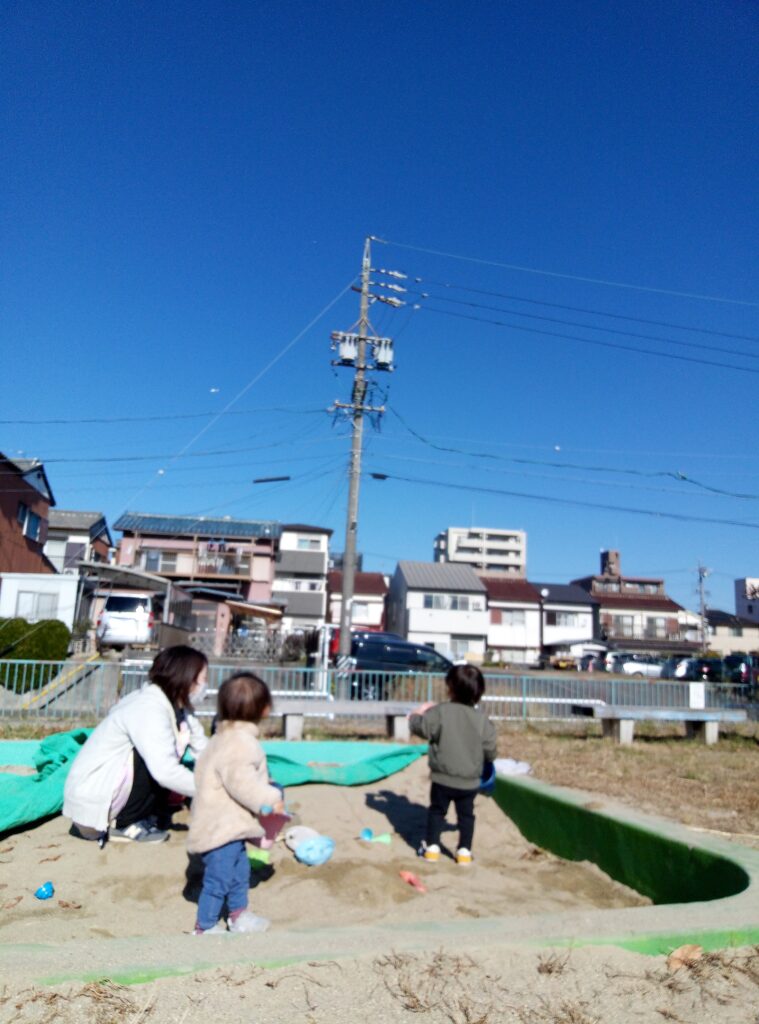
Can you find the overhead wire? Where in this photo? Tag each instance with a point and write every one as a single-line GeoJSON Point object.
{"type": "Point", "coordinates": [591, 341]}
{"type": "Point", "coordinates": [590, 327]}
{"type": "Point", "coordinates": [672, 474]}
{"type": "Point", "coordinates": [551, 499]}
{"type": "Point", "coordinates": [567, 277]}
{"type": "Point", "coordinates": [589, 312]}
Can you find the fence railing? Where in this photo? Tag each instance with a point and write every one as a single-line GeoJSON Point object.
{"type": "Point", "coordinates": [84, 690]}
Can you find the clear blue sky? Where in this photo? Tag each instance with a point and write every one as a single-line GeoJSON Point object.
{"type": "Point", "coordinates": [185, 186]}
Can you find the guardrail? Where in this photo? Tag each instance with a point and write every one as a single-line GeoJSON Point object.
{"type": "Point", "coordinates": [78, 690]}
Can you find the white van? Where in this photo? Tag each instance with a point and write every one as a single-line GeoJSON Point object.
{"type": "Point", "coordinates": [127, 619]}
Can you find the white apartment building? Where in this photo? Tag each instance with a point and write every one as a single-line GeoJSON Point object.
{"type": "Point", "coordinates": [747, 598]}
{"type": "Point", "coordinates": [486, 550]}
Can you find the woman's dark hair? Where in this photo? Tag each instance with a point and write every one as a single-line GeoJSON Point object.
{"type": "Point", "coordinates": [243, 698]}
{"type": "Point", "coordinates": [176, 670]}
{"type": "Point", "coordinates": [466, 684]}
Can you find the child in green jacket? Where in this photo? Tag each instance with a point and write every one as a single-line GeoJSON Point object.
{"type": "Point", "coordinates": [461, 738]}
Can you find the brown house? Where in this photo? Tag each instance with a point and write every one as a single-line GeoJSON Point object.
{"type": "Point", "coordinates": [25, 501]}
{"type": "Point", "coordinates": [635, 611]}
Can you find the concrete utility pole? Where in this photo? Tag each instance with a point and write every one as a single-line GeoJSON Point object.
{"type": "Point", "coordinates": [354, 473]}
{"type": "Point", "coordinates": [353, 348]}
{"type": "Point", "coordinates": [703, 572]}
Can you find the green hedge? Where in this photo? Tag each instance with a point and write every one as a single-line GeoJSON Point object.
{"type": "Point", "coordinates": [24, 641]}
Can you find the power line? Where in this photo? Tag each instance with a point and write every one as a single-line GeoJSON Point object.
{"type": "Point", "coordinates": [60, 421]}
{"type": "Point", "coordinates": [588, 312]}
{"type": "Point", "coordinates": [570, 501]}
{"type": "Point", "coordinates": [567, 277]}
{"type": "Point", "coordinates": [591, 341]}
{"type": "Point", "coordinates": [590, 327]}
{"type": "Point", "coordinates": [671, 474]}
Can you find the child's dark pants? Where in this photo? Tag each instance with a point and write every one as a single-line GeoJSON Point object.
{"type": "Point", "coordinates": [440, 800]}
{"type": "Point", "coordinates": [226, 878]}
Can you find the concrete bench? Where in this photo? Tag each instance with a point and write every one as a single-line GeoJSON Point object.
{"type": "Point", "coordinates": [700, 723]}
{"type": "Point", "coordinates": [293, 711]}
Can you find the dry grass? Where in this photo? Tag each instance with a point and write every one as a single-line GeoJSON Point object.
{"type": "Point", "coordinates": [452, 988]}
{"type": "Point", "coordinates": [96, 1002]}
{"type": "Point", "coordinates": [662, 773]}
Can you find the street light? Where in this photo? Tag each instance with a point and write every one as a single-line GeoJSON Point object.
{"type": "Point", "coordinates": [543, 595]}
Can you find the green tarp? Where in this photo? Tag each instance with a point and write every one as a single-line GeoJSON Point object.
{"type": "Point", "coordinates": [27, 798]}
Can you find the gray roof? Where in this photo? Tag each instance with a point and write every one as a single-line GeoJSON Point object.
{"type": "Point", "coordinates": [441, 576]}
{"type": "Point", "coordinates": [564, 593]}
{"type": "Point", "coordinates": [61, 518]}
{"type": "Point", "coordinates": [196, 526]}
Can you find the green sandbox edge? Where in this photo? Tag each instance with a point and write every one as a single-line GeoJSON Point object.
{"type": "Point", "coordinates": [713, 882]}
{"type": "Point", "coordinates": [656, 858]}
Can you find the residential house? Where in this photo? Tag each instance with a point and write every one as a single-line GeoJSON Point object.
{"type": "Point", "coordinates": [237, 570]}
{"type": "Point", "coordinates": [731, 634]}
{"type": "Point", "coordinates": [369, 593]}
{"type": "Point", "coordinates": [488, 550]}
{"type": "Point", "coordinates": [75, 537]}
{"type": "Point", "coordinates": [35, 596]}
{"type": "Point", "coordinates": [300, 576]}
{"type": "Point", "coordinates": [440, 604]}
{"type": "Point", "coordinates": [25, 502]}
{"type": "Point", "coordinates": [635, 612]}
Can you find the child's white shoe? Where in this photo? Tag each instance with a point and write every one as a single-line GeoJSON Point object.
{"type": "Point", "coordinates": [218, 929]}
{"type": "Point", "coordinates": [431, 852]}
{"type": "Point", "coordinates": [247, 922]}
{"type": "Point", "coordinates": [463, 856]}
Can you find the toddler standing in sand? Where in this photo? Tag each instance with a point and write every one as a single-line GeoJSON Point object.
{"type": "Point", "coordinates": [461, 738]}
{"type": "Point", "coordinates": [232, 786]}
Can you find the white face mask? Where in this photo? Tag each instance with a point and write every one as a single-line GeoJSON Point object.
{"type": "Point", "coordinates": [199, 693]}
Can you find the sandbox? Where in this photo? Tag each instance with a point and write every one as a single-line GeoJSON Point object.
{"type": "Point", "coordinates": [126, 912]}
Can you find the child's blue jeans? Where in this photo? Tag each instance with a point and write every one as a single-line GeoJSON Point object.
{"type": "Point", "coordinates": [226, 877]}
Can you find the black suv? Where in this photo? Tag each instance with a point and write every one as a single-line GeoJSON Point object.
{"type": "Point", "coordinates": [378, 660]}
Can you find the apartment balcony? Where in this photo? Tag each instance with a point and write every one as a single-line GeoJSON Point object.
{"type": "Point", "coordinates": [223, 564]}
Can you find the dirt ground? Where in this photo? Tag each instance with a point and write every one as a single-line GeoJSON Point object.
{"type": "Point", "coordinates": [711, 788]}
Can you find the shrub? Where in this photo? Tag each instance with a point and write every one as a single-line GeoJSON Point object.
{"type": "Point", "coordinates": [23, 641]}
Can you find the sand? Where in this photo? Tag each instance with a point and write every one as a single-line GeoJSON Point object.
{"type": "Point", "coordinates": [126, 894]}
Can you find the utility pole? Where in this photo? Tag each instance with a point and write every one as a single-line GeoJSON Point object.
{"type": "Point", "coordinates": [703, 572]}
{"type": "Point", "coordinates": [353, 349]}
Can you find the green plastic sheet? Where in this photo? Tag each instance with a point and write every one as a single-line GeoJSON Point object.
{"type": "Point", "coordinates": [28, 798]}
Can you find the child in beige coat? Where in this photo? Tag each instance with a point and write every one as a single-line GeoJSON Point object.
{"type": "Point", "coordinates": [232, 786]}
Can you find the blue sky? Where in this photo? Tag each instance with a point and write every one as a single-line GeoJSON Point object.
{"type": "Point", "coordinates": [186, 186]}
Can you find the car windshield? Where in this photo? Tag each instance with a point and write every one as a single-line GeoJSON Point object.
{"type": "Point", "coordinates": [125, 604]}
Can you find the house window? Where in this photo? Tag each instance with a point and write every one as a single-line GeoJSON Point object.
{"type": "Point", "coordinates": [736, 631]}
{"type": "Point", "coordinates": [35, 607]}
{"type": "Point", "coordinates": [623, 625]}
{"type": "Point", "coordinates": [308, 543]}
{"type": "Point", "coordinates": [460, 646]}
{"type": "Point", "coordinates": [30, 522]}
{"type": "Point", "coordinates": [513, 617]}
{"type": "Point", "coordinates": [21, 514]}
{"type": "Point", "coordinates": [562, 619]}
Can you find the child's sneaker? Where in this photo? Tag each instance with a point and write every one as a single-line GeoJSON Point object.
{"type": "Point", "coordinates": [139, 832]}
{"type": "Point", "coordinates": [431, 852]}
{"type": "Point", "coordinates": [247, 921]}
{"type": "Point", "coordinates": [218, 929]}
{"type": "Point", "coordinates": [463, 856]}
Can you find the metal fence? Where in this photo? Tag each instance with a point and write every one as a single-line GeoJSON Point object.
{"type": "Point", "coordinates": [85, 690]}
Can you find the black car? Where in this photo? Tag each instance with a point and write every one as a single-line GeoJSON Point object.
{"type": "Point", "coordinates": [378, 661]}
{"type": "Point", "coordinates": [742, 669]}
{"type": "Point", "coordinates": [709, 670]}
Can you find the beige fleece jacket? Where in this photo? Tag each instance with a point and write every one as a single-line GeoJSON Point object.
{"type": "Point", "coordinates": [231, 784]}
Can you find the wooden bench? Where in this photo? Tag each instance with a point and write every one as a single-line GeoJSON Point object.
{"type": "Point", "coordinates": [700, 723]}
{"type": "Point", "coordinates": [293, 711]}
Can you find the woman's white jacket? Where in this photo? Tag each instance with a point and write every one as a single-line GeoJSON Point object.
{"type": "Point", "coordinates": [144, 721]}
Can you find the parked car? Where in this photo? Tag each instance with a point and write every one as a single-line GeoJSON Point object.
{"type": "Point", "coordinates": [633, 664]}
{"type": "Point", "coordinates": [127, 619]}
{"type": "Point", "coordinates": [378, 661]}
{"type": "Point", "coordinates": [693, 670]}
{"type": "Point", "coordinates": [742, 669]}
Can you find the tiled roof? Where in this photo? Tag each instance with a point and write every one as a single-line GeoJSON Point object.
{"type": "Point", "coordinates": [441, 576]}
{"type": "Point", "coordinates": [564, 593]}
{"type": "Point", "coordinates": [63, 519]}
{"type": "Point", "coordinates": [195, 526]}
{"type": "Point", "coordinates": [641, 601]}
{"type": "Point", "coordinates": [717, 618]}
{"type": "Point", "coordinates": [500, 588]}
{"type": "Point", "coordinates": [372, 583]}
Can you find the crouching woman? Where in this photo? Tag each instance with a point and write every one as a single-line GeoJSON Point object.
{"type": "Point", "coordinates": [119, 783]}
